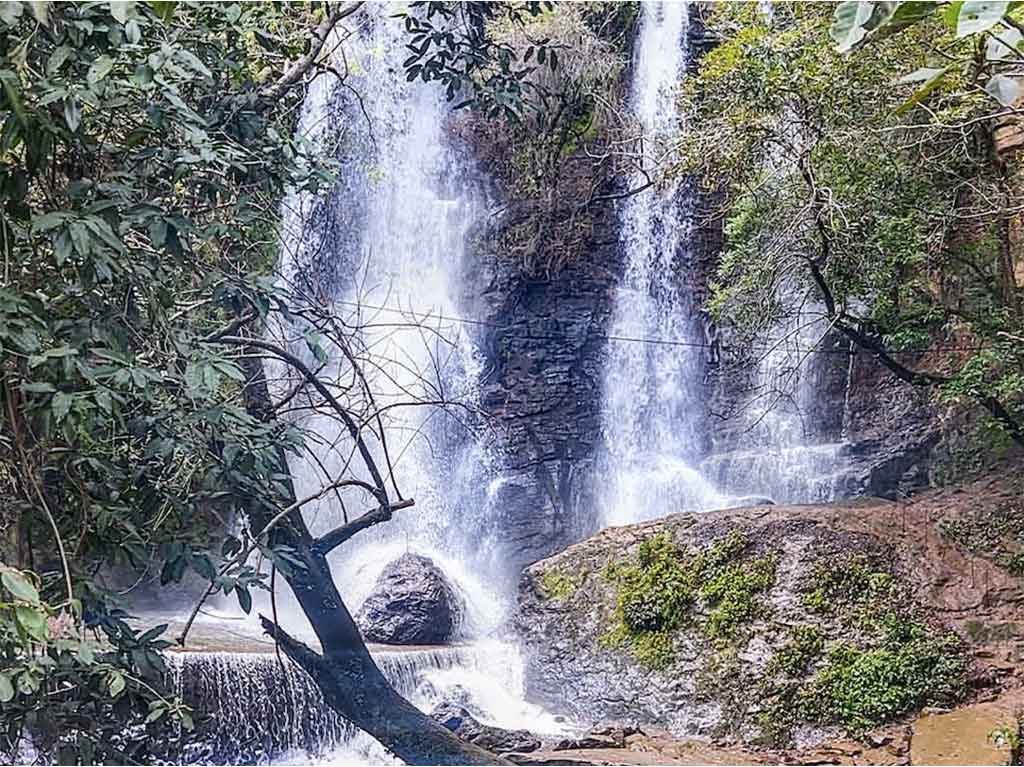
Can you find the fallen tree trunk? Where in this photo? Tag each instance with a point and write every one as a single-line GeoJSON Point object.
{"type": "Point", "coordinates": [353, 685]}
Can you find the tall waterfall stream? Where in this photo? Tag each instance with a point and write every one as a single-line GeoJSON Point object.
{"type": "Point", "coordinates": [386, 250]}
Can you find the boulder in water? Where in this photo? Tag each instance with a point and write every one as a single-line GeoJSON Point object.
{"type": "Point", "coordinates": [412, 603]}
{"type": "Point", "coordinates": [494, 739]}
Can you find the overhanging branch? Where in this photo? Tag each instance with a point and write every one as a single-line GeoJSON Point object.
{"type": "Point", "coordinates": [330, 541]}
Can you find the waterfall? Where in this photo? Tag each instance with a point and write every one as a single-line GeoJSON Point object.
{"type": "Point", "coordinates": [265, 710]}
{"type": "Point", "coordinates": [385, 251]}
{"type": "Point", "coordinates": [661, 457]}
{"type": "Point", "coordinates": [652, 383]}
{"type": "Point", "coordinates": [786, 454]}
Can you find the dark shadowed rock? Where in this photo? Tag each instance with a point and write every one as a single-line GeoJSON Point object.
{"type": "Point", "coordinates": [494, 739]}
{"type": "Point", "coordinates": [412, 603]}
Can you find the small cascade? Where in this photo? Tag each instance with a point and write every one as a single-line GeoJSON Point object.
{"type": "Point", "coordinates": [264, 710]}
{"type": "Point", "coordinates": [653, 375]}
{"type": "Point", "coordinates": [786, 453]}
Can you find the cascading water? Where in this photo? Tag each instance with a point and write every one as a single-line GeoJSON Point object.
{"type": "Point", "coordinates": [652, 399]}
{"type": "Point", "coordinates": [385, 252]}
{"type": "Point", "coordinates": [654, 381]}
{"type": "Point", "coordinates": [382, 256]}
{"type": "Point", "coordinates": [267, 710]}
{"type": "Point", "coordinates": [783, 459]}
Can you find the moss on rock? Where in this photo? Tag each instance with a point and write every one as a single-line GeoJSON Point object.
{"type": "Point", "coordinates": [658, 593]}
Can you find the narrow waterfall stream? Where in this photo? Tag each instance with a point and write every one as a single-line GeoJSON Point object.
{"type": "Point", "coordinates": [659, 452]}
{"type": "Point", "coordinates": [652, 397]}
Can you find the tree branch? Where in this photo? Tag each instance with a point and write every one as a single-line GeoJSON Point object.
{"type": "Point", "coordinates": [318, 38]}
{"type": "Point", "coordinates": [314, 380]}
{"type": "Point", "coordinates": [326, 543]}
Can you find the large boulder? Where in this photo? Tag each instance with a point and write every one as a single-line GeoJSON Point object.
{"type": "Point", "coordinates": [413, 603]}
{"type": "Point", "coordinates": [780, 624]}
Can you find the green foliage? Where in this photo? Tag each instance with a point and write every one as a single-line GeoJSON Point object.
{"type": "Point", "coordinates": [141, 170]}
{"type": "Point", "coordinates": [862, 688]}
{"type": "Point", "coordinates": [869, 661]}
{"type": "Point", "coordinates": [852, 191]}
{"type": "Point", "coordinates": [459, 51]}
{"type": "Point", "coordinates": [803, 647]}
{"type": "Point", "coordinates": [840, 584]}
{"type": "Point", "coordinates": [51, 675]}
{"type": "Point", "coordinates": [994, 530]}
{"type": "Point", "coordinates": [990, 22]}
{"type": "Point", "coordinates": [657, 594]}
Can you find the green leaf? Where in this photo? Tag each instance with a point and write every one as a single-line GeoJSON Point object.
{"type": "Point", "coordinates": [48, 221]}
{"type": "Point", "coordinates": [32, 620]}
{"type": "Point", "coordinates": [72, 114]}
{"type": "Point", "coordinates": [975, 16]}
{"type": "Point", "coordinates": [6, 688]}
{"type": "Point", "coordinates": [58, 58]}
{"type": "Point", "coordinates": [933, 81]}
{"type": "Point", "coordinates": [164, 9]}
{"type": "Point", "coordinates": [10, 12]}
{"type": "Point", "coordinates": [86, 654]}
{"type": "Point", "coordinates": [11, 85]}
{"type": "Point", "coordinates": [848, 22]}
{"type": "Point", "coordinates": [60, 406]}
{"type": "Point", "coordinates": [115, 684]}
{"type": "Point", "coordinates": [244, 598]}
{"type": "Point", "coordinates": [1005, 90]}
{"type": "Point", "coordinates": [100, 68]}
{"type": "Point", "coordinates": [122, 10]}
{"type": "Point", "coordinates": [19, 586]}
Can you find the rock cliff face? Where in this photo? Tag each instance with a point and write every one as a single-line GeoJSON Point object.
{"type": "Point", "coordinates": [544, 346]}
{"type": "Point", "coordinates": [782, 624]}
{"type": "Point", "coordinates": [544, 321]}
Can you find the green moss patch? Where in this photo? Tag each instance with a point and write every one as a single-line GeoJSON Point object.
{"type": "Point", "coordinates": [556, 584]}
{"type": "Point", "coordinates": [860, 688]}
{"type": "Point", "coordinates": [869, 661]}
{"type": "Point", "coordinates": [657, 594]}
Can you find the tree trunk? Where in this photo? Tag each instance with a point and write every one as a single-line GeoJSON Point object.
{"type": "Point", "coordinates": [350, 680]}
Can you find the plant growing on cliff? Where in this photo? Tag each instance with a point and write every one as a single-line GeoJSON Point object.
{"type": "Point", "coordinates": [862, 688]}
{"type": "Point", "coordinates": [657, 595]}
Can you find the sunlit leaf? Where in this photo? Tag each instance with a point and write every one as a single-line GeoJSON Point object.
{"type": "Point", "coordinates": [19, 586]}
{"type": "Point", "coordinates": [10, 12]}
{"type": "Point", "coordinates": [1003, 44]}
{"type": "Point", "coordinates": [1004, 89]}
{"type": "Point", "coordinates": [848, 22]}
{"type": "Point", "coordinates": [977, 16]}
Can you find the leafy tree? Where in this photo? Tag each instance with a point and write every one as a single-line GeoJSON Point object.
{"type": "Point", "coordinates": [886, 207]}
{"type": "Point", "coordinates": [142, 157]}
